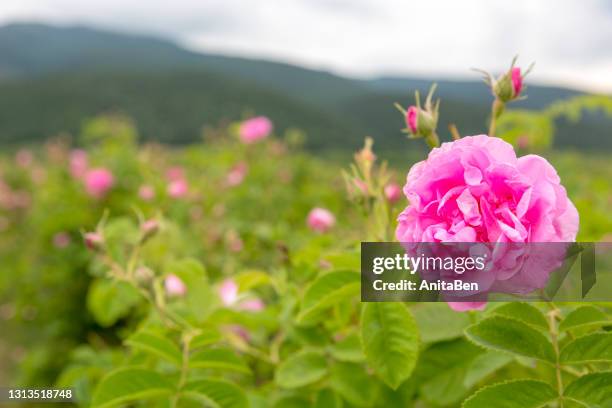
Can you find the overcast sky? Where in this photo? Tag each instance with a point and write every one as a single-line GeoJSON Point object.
{"type": "Point", "coordinates": [570, 40]}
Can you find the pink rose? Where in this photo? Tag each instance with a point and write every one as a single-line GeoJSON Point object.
{"type": "Point", "coordinates": [517, 81]}
{"type": "Point", "coordinates": [228, 292]}
{"type": "Point", "coordinates": [98, 182]}
{"type": "Point", "coordinates": [475, 189]}
{"type": "Point", "coordinates": [175, 173]}
{"type": "Point", "coordinates": [236, 174]}
{"type": "Point", "coordinates": [320, 220]}
{"type": "Point", "coordinates": [465, 306]}
{"type": "Point", "coordinates": [146, 192]}
{"type": "Point", "coordinates": [178, 188]}
{"type": "Point", "coordinates": [412, 118]}
{"type": "Point", "coordinates": [174, 286]}
{"type": "Point", "coordinates": [78, 163]}
{"type": "Point", "coordinates": [393, 192]}
{"type": "Point", "coordinates": [252, 305]}
{"type": "Point", "coordinates": [255, 129]}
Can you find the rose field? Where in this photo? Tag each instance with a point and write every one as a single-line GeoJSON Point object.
{"type": "Point", "coordinates": [226, 273]}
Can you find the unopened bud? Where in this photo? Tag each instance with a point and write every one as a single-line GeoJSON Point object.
{"type": "Point", "coordinates": [143, 275]}
{"type": "Point", "coordinates": [149, 228]}
{"type": "Point", "coordinates": [94, 241]}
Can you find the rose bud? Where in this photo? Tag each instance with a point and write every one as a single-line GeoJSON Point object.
{"type": "Point", "coordinates": [320, 220]}
{"type": "Point", "coordinates": [98, 182]}
{"type": "Point", "coordinates": [393, 192]}
{"type": "Point", "coordinates": [421, 122]}
{"type": "Point", "coordinates": [149, 228]}
{"type": "Point", "coordinates": [228, 292]}
{"type": "Point", "coordinates": [93, 241]}
{"type": "Point", "coordinates": [146, 192]}
{"type": "Point", "coordinates": [143, 275]}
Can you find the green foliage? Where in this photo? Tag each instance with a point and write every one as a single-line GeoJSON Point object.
{"type": "Point", "coordinates": [130, 384]}
{"type": "Point", "coordinates": [513, 394]}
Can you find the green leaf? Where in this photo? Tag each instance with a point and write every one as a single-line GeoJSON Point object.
{"type": "Point", "coordinates": [326, 291]}
{"type": "Point", "coordinates": [348, 349]}
{"type": "Point", "coordinates": [327, 398]}
{"type": "Point", "coordinates": [512, 394]}
{"type": "Point", "coordinates": [127, 385]}
{"type": "Point", "coordinates": [216, 393]}
{"type": "Point", "coordinates": [437, 322]}
{"type": "Point", "coordinates": [390, 341]}
{"type": "Point", "coordinates": [109, 301]}
{"type": "Point", "coordinates": [206, 338]}
{"type": "Point", "coordinates": [584, 316]}
{"type": "Point", "coordinates": [156, 344]}
{"type": "Point", "coordinates": [199, 292]}
{"type": "Point", "coordinates": [484, 365]}
{"type": "Point", "coordinates": [250, 279]}
{"type": "Point", "coordinates": [593, 390]}
{"type": "Point", "coordinates": [303, 368]}
{"type": "Point", "coordinates": [524, 312]}
{"type": "Point", "coordinates": [353, 384]}
{"type": "Point", "coordinates": [513, 336]}
{"type": "Point", "coordinates": [219, 359]}
{"type": "Point", "coordinates": [591, 348]}
{"type": "Point", "coordinates": [446, 388]}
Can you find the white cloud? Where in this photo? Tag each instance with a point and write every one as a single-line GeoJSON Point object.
{"type": "Point", "coordinates": [568, 39]}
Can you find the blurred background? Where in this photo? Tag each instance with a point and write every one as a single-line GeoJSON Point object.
{"type": "Point", "coordinates": [174, 72]}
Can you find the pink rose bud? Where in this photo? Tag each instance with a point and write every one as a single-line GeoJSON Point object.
{"type": "Point", "coordinates": [522, 142]}
{"type": "Point", "coordinates": [146, 192]}
{"type": "Point", "coordinates": [98, 182]}
{"type": "Point", "coordinates": [178, 188]}
{"type": "Point", "coordinates": [465, 306]}
{"type": "Point", "coordinates": [24, 158]}
{"type": "Point", "coordinates": [517, 81]}
{"type": "Point", "coordinates": [149, 228]}
{"type": "Point", "coordinates": [143, 274]}
{"type": "Point", "coordinates": [255, 129]}
{"type": "Point", "coordinates": [94, 241]}
{"type": "Point", "coordinates": [61, 240]}
{"type": "Point", "coordinates": [175, 173]}
{"type": "Point", "coordinates": [237, 174]}
{"type": "Point", "coordinates": [228, 292]}
{"type": "Point", "coordinates": [412, 115]}
{"type": "Point", "coordinates": [174, 286]}
{"type": "Point", "coordinates": [320, 220]}
{"type": "Point", "coordinates": [252, 305]}
{"type": "Point", "coordinates": [78, 163]}
{"type": "Point", "coordinates": [393, 192]}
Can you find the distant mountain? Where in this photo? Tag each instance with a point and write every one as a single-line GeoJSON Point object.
{"type": "Point", "coordinates": [78, 70]}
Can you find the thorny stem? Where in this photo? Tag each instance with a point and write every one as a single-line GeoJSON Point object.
{"type": "Point", "coordinates": [554, 336]}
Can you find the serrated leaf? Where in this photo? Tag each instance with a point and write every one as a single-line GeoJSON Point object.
{"type": "Point", "coordinates": [218, 359]}
{"type": "Point", "coordinates": [594, 390]}
{"type": "Point", "coordinates": [437, 322]}
{"type": "Point", "coordinates": [353, 384]}
{"type": "Point", "coordinates": [390, 341]}
{"type": "Point", "coordinates": [301, 369]}
{"type": "Point", "coordinates": [513, 336]}
{"type": "Point", "coordinates": [216, 393]}
{"type": "Point", "coordinates": [523, 311]}
{"type": "Point", "coordinates": [127, 385]}
{"type": "Point", "coordinates": [109, 301]}
{"type": "Point", "coordinates": [326, 291]}
{"type": "Point", "coordinates": [156, 344]}
{"type": "Point", "coordinates": [484, 365]}
{"type": "Point", "coordinates": [595, 347]}
{"type": "Point", "coordinates": [513, 394]}
{"type": "Point", "coordinates": [348, 349]}
{"type": "Point", "coordinates": [584, 316]}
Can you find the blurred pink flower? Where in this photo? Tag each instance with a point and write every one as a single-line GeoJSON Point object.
{"type": "Point", "coordinates": [517, 81]}
{"type": "Point", "coordinates": [61, 240]}
{"type": "Point", "coordinates": [412, 118]}
{"type": "Point", "coordinates": [475, 189]}
{"type": "Point", "coordinates": [252, 305]}
{"type": "Point", "coordinates": [522, 142]}
{"type": "Point", "coordinates": [149, 228]}
{"type": "Point", "coordinates": [24, 158]}
{"type": "Point", "coordinates": [465, 306]}
{"type": "Point", "coordinates": [236, 174]}
{"type": "Point", "coordinates": [174, 286]}
{"type": "Point", "coordinates": [78, 163]}
{"type": "Point", "coordinates": [175, 173]}
{"type": "Point", "coordinates": [178, 188]}
{"type": "Point", "coordinates": [228, 292]}
{"type": "Point", "coordinates": [255, 129]}
{"type": "Point", "coordinates": [93, 240]}
{"type": "Point", "coordinates": [146, 192]}
{"type": "Point", "coordinates": [320, 220]}
{"type": "Point", "coordinates": [98, 182]}
{"type": "Point", "coordinates": [393, 192]}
